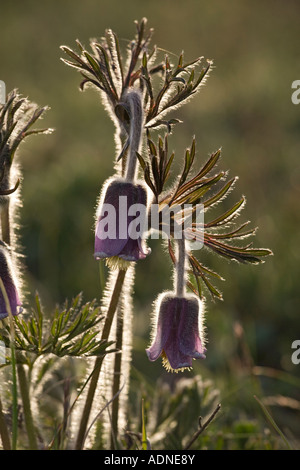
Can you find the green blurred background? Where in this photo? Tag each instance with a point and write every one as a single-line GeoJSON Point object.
{"type": "Point", "coordinates": [245, 108]}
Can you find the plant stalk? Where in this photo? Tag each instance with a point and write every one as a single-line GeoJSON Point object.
{"type": "Point", "coordinates": [23, 385]}
{"type": "Point", "coordinates": [4, 431]}
{"type": "Point", "coordinates": [135, 134]}
{"type": "Point", "coordinates": [116, 382]}
{"type": "Point", "coordinates": [180, 280]}
{"type": "Point", "coordinates": [5, 223]}
{"type": "Point", "coordinates": [98, 362]}
{"type": "Point", "coordinates": [13, 366]}
{"type": "Point", "coordinates": [14, 397]}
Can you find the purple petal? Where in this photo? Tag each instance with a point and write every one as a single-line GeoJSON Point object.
{"type": "Point", "coordinates": [164, 326]}
{"type": "Point", "coordinates": [189, 337]}
{"type": "Point", "coordinates": [133, 250]}
{"type": "Point", "coordinates": [177, 335]}
{"type": "Point", "coordinates": [176, 357]}
{"type": "Point", "coordinates": [141, 194]}
{"type": "Point", "coordinates": [14, 301]}
{"type": "Point", "coordinates": [116, 243]}
{"type": "Point", "coordinates": [108, 247]}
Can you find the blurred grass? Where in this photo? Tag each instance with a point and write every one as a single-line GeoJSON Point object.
{"type": "Point", "coordinates": [245, 108]}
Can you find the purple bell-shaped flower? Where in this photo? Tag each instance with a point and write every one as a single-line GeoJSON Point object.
{"type": "Point", "coordinates": [179, 332]}
{"type": "Point", "coordinates": [7, 276]}
{"type": "Point", "coordinates": [121, 221]}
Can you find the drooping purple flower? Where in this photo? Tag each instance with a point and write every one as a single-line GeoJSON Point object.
{"type": "Point", "coordinates": [121, 219]}
{"type": "Point", "coordinates": [7, 276]}
{"type": "Point", "coordinates": [179, 332]}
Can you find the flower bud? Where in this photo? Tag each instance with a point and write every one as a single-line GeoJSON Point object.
{"type": "Point", "coordinates": [178, 332]}
{"type": "Point", "coordinates": [119, 231]}
{"type": "Point", "coordinates": [7, 276]}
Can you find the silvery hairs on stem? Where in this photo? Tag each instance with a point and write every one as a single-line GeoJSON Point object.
{"type": "Point", "coordinates": [17, 117]}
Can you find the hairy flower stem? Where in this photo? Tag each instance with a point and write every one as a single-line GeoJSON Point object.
{"type": "Point", "coordinates": [13, 367]}
{"type": "Point", "coordinates": [116, 382]}
{"type": "Point", "coordinates": [133, 99]}
{"type": "Point", "coordinates": [5, 224]}
{"type": "Point", "coordinates": [17, 370]}
{"type": "Point", "coordinates": [134, 103]}
{"type": "Point", "coordinates": [114, 300]}
{"type": "Point", "coordinates": [4, 431]}
{"type": "Point", "coordinates": [23, 385]}
{"type": "Point", "coordinates": [180, 281]}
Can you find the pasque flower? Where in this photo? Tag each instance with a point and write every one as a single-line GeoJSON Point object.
{"type": "Point", "coordinates": [119, 229]}
{"type": "Point", "coordinates": [179, 332]}
{"type": "Point", "coordinates": [7, 276]}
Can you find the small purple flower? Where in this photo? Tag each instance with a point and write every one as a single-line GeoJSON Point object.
{"type": "Point", "coordinates": [178, 339]}
{"type": "Point", "coordinates": [119, 230]}
{"type": "Point", "coordinates": [6, 274]}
